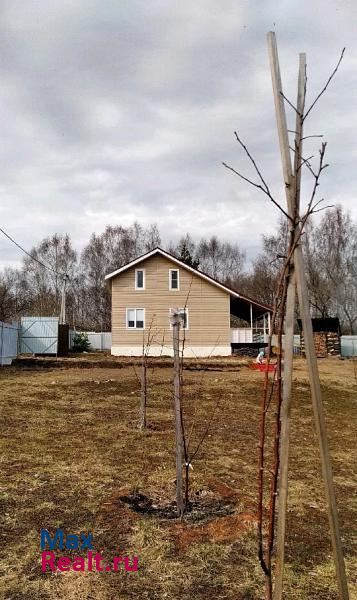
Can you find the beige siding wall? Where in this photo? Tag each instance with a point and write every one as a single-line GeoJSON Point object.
{"type": "Point", "coordinates": [208, 306]}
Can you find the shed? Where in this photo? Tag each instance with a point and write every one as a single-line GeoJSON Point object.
{"type": "Point", "coordinates": [327, 336]}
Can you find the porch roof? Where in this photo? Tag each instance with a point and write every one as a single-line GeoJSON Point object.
{"type": "Point", "coordinates": [245, 308]}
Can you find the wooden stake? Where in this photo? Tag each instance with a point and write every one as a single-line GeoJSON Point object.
{"type": "Point", "coordinates": [320, 423]}
{"type": "Point", "coordinates": [176, 321]}
{"type": "Point", "coordinates": [289, 347]}
{"type": "Point", "coordinates": [307, 326]}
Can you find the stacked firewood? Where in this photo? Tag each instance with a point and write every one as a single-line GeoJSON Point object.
{"type": "Point", "coordinates": [326, 344]}
{"type": "Point", "coordinates": [246, 351]}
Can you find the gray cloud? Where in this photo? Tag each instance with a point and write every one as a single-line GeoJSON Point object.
{"type": "Point", "coordinates": [125, 110]}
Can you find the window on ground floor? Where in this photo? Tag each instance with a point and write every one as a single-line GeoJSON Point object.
{"type": "Point", "coordinates": [135, 318]}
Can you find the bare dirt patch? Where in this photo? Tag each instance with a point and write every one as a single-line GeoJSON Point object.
{"type": "Point", "coordinates": [71, 451]}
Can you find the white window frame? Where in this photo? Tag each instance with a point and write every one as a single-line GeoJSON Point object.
{"type": "Point", "coordinates": [187, 319]}
{"type": "Point", "coordinates": [178, 280]}
{"type": "Point", "coordinates": [135, 328]}
{"type": "Point", "coordinates": [140, 289]}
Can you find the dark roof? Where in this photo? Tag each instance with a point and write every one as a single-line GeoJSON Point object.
{"type": "Point", "coordinates": [327, 324]}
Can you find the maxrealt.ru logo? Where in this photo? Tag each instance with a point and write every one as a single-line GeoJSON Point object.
{"type": "Point", "coordinates": [92, 561]}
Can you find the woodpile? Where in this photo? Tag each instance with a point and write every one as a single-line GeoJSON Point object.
{"type": "Point", "coordinates": [246, 351]}
{"type": "Point", "coordinates": [327, 343]}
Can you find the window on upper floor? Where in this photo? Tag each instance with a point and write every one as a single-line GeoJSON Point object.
{"type": "Point", "coordinates": [140, 279]}
{"type": "Point", "coordinates": [135, 318]}
{"type": "Point", "coordinates": [174, 279]}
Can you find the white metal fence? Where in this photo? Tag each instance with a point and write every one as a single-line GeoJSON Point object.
{"type": "Point", "coordinates": [241, 335]}
{"type": "Point", "coordinates": [38, 335]}
{"type": "Point", "coordinates": [349, 345]}
{"type": "Point", "coordinates": [297, 343]}
{"type": "Point", "coordinates": [98, 341]}
{"type": "Point", "coordinates": [9, 342]}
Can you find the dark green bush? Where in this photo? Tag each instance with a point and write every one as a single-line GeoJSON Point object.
{"type": "Point", "coordinates": [81, 342]}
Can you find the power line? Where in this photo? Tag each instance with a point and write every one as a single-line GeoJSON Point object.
{"type": "Point", "coordinates": [33, 257]}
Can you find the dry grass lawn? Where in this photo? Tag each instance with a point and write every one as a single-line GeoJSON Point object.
{"type": "Point", "coordinates": [71, 450]}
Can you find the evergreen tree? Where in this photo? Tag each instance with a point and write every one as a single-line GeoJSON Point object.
{"type": "Point", "coordinates": [186, 248]}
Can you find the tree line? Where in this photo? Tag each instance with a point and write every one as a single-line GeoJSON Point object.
{"type": "Point", "coordinates": [330, 249]}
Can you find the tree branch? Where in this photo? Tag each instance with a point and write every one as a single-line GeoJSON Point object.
{"type": "Point", "coordinates": [290, 104]}
{"type": "Point", "coordinates": [263, 186]}
{"type": "Point", "coordinates": [313, 211]}
{"type": "Point", "coordinates": [326, 85]}
{"type": "Point", "coordinates": [260, 187]}
{"type": "Point", "coordinates": [307, 137]}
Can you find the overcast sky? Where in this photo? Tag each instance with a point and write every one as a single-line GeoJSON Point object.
{"type": "Point", "coordinates": [119, 110]}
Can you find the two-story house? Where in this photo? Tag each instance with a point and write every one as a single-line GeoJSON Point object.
{"type": "Point", "coordinates": [146, 290]}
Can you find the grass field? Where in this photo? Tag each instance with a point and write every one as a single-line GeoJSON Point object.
{"type": "Point", "coordinates": [71, 452]}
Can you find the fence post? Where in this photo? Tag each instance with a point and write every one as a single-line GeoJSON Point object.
{"type": "Point", "coordinates": [175, 322]}
{"type": "Point", "coordinates": [18, 339]}
{"type": "Point", "coordinates": [2, 343]}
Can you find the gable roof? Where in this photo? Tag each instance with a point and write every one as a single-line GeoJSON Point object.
{"type": "Point", "coordinates": [230, 291]}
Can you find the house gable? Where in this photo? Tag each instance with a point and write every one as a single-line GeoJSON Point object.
{"type": "Point", "coordinates": [158, 251]}
{"type": "Point", "coordinates": [207, 305]}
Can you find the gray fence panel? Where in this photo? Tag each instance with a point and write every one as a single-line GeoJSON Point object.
{"type": "Point", "coordinates": [39, 335]}
{"type": "Point", "coordinates": [349, 345]}
{"type": "Point", "coordinates": [9, 337]}
{"type": "Point", "coordinates": [297, 343]}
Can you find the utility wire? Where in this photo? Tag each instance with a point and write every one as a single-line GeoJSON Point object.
{"type": "Point", "coordinates": [64, 275]}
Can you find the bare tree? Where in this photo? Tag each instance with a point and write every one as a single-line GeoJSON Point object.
{"type": "Point", "coordinates": [331, 258]}
{"type": "Point", "coordinates": [15, 295]}
{"type": "Point", "coordinates": [152, 336]}
{"type": "Point", "coordinates": [296, 227]}
{"type": "Point", "coordinates": [221, 260]}
{"type": "Point", "coordinates": [110, 250]}
{"type": "Point", "coordinates": [261, 282]}
{"type": "Point", "coordinates": [186, 450]}
{"type": "Point", "coordinates": [43, 271]}
{"type": "Point", "coordinates": [152, 238]}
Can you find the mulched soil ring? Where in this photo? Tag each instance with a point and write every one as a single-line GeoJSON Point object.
{"type": "Point", "coordinates": [196, 512]}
